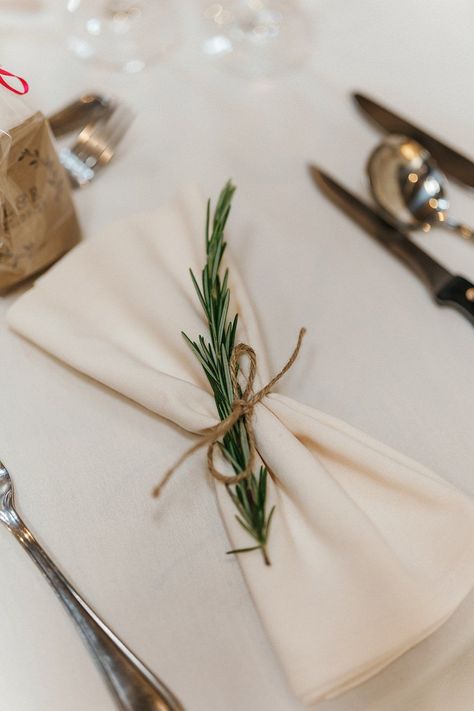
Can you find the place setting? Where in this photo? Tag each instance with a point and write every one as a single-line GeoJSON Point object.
{"type": "Point", "coordinates": [409, 190]}
{"type": "Point", "coordinates": [350, 554]}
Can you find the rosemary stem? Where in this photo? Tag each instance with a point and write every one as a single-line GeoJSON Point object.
{"type": "Point", "coordinates": [248, 496]}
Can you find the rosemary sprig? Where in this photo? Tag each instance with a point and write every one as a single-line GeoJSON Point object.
{"type": "Point", "coordinates": [249, 495]}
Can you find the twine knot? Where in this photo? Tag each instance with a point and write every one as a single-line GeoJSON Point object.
{"type": "Point", "coordinates": [243, 406]}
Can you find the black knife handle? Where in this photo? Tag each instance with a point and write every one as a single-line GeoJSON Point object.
{"type": "Point", "coordinates": [459, 293]}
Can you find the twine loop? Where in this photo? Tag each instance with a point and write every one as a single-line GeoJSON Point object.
{"type": "Point", "coordinates": [243, 406]}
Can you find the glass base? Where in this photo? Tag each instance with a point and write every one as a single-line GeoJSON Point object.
{"type": "Point", "coordinates": [257, 38]}
{"type": "Point", "coordinates": [124, 35]}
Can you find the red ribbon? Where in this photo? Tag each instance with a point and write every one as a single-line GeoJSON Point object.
{"type": "Point", "coordinates": [24, 84]}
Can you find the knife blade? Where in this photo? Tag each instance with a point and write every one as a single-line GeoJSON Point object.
{"type": "Point", "coordinates": [450, 160]}
{"type": "Point", "coordinates": [446, 288]}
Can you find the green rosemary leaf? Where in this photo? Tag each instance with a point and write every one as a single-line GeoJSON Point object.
{"type": "Point", "coordinates": [224, 281]}
{"type": "Point", "coordinates": [269, 520]}
{"type": "Point", "coordinates": [245, 502]}
{"type": "Point", "coordinates": [262, 485]}
{"type": "Point", "coordinates": [208, 220]}
{"type": "Point", "coordinates": [204, 350]}
{"type": "Point", "coordinates": [234, 330]}
{"type": "Point", "coordinates": [244, 440]}
{"type": "Point", "coordinates": [226, 373]}
{"type": "Point", "coordinates": [233, 496]}
{"type": "Point", "coordinates": [216, 261]}
{"type": "Point", "coordinates": [238, 491]}
{"type": "Point", "coordinates": [252, 484]}
{"type": "Point", "coordinates": [249, 530]}
{"type": "Point", "coordinates": [195, 349]}
{"type": "Point", "coordinates": [227, 340]}
{"type": "Point", "coordinates": [238, 504]}
{"type": "Point", "coordinates": [223, 317]}
{"type": "Point", "coordinates": [229, 456]}
{"type": "Point", "coordinates": [243, 550]}
{"type": "Point", "coordinates": [198, 291]}
{"type": "Point", "coordinates": [206, 290]}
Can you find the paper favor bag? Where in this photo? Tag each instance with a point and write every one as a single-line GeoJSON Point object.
{"type": "Point", "coordinates": [38, 222]}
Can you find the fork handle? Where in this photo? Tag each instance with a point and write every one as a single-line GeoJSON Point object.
{"type": "Point", "coordinates": [133, 686]}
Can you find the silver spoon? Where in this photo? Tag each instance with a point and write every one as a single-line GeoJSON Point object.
{"type": "Point", "coordinates": [409, 187]}
{"type": "Point", "coordinates": [134, 687]}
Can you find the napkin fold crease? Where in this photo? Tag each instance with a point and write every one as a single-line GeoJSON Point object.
{"type": "Point", "coordinates": [371, 552]}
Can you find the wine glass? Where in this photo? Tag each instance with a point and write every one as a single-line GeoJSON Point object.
{"type": "Point", "coordinates": [257, 38]}
{"type": "Point", "coordinates": [122, 34]}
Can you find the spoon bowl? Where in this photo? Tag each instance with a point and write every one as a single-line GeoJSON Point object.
{"type": "Point", "coordinates": [409, 187]}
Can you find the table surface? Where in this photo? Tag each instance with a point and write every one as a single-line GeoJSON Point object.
{"type": "Point", "coordinates": [379, 355]}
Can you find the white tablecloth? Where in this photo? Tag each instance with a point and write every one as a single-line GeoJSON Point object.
{"type": "Point", "coordinates": [379, 354]}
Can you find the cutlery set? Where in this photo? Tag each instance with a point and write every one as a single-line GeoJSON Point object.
{"type": "Point", "coordinates": [453, 163]}
{"type": "Point", "coordinates": [408, 186]}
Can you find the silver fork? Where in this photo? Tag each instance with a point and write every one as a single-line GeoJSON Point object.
{"type": "Point", "coordinates": [133, 686]}
{"type": "Point", "coordinates": [95, 146]}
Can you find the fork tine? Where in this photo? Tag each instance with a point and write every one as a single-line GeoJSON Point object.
{"type": "Point", "coordinates": [113, 135]}
{"type": "Point", "coordinates": [96, 143]}
{"type": "Point", "coordinates": [116, 130]}
{"type": "Point", "coordinates": [108, 128]}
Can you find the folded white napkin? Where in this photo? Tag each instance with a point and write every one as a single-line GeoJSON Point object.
{"type": "Point", "coordinates": [370, 551]}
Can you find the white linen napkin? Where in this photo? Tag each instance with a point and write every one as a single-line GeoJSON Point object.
{"type": "Point", "coordinates": [370, 551]}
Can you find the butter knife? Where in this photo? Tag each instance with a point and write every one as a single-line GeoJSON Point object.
{"type": "Point", "coordinates": [446, 288]}
{"type": "Point", "coordinates": [452, 162]}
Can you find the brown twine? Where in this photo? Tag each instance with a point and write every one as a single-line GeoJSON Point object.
{"type": "Point", "coordinates": [243, 406]}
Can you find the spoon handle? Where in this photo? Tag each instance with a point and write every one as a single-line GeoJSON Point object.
{"type": "Point", "coordinates": [133, 686]}
{"type": "Point", "coordinates": [464, 231]}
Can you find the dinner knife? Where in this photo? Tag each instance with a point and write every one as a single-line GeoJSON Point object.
{"type": "Point", "coordinates": [452, 162]}
{"type": "Point", "coordinates": [446, 288]}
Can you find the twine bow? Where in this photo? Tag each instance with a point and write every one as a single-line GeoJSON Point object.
{"type": "Point", "coordinates": [242, 407]}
